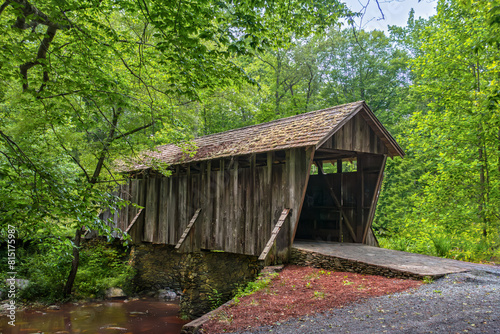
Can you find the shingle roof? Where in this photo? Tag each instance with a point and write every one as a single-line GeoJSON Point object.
{"type": "Point", "coordinates": [308, 129]}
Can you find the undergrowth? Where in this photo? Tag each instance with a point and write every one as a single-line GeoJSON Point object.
{"type": "Point", "coordinates": [252, 287]}
{"type": "Point", "coordinates": [46, 264]}
{"type": "Point", "coordinates": [447, 246]}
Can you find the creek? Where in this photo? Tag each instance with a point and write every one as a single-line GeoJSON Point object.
{"type": "Point", "coordinates": [145, 316]}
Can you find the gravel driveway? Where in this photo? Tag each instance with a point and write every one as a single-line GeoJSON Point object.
{"type": "Point", "coordinates": [457, 303]}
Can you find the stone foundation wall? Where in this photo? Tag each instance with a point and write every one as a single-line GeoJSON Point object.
{"type": "Point", "coordinates": [317, 260]}
{"type": "Point", "coordinates": [205, 279]}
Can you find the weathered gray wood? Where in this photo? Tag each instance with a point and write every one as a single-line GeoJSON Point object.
{"type": "Point", "coordinates": [151, 211]}
{"type": "Point", "coordinates": [258, 230]}
{"type": "Point", "coordinates": [163, 210]}
{"type": "Point", "coordinates": [232, 197]}
{"type": "Point", "coordinates": [356, 135]}
{"type": "Point", "coordinates": [219, 207]}
{"type": "Point", "coordinates": [123, 217]}
{"type": "Point", "coordinates": [183, 215]}
{"type": "Point", "coordinates": [309, 154]}
{"type": "Point", "coordinates": [138, 230]}
{"type": "Point", "coordinates": [188, 228]}
{"type": "Point", "coordinates": [283, 239]}
{"type": "Point", "coordinates": [133, 221]}
{"type": "Point", "coordinates": [207, 208]}
{"type": "Point", "coordinates": [172, 208]}
{"type": "Point", "coordinates": [250, 221]}
{"type": "Point", "coordinates": [274, 234]}
{"type": "Point", "coordinates": [195, 236]}
{"type": "Point", "coordinates": [373, 204]}
{"type": "Point", "coordinates": [359, 221]}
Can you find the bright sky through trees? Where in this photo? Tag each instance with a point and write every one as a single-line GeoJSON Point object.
{"type": "Point", "coordinates": [395, 12]}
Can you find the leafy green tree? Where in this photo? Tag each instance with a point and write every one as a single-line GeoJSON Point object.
{"type": "Point", "coordinates": [453, 144]}
{"type": "Point", "coordinates": [87, 82]}
{"type": "Point", "coordinates": [365, 66]}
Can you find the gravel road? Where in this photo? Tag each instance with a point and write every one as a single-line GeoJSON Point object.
{"type": "Point", "coordinates": [457, 303]}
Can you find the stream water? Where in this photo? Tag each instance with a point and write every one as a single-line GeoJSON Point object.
{"type": "Point", "coordinates": [109, 317]}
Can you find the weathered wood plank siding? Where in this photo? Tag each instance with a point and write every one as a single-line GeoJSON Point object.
{"type": "Point", "coordinates": [356, 135]}
{"type": "Point", "coordinates": [240, 201]}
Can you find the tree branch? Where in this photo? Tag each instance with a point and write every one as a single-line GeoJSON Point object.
{"type": "Point", "coordinates": [134, 131]}
{"type": "Point", "coordinates": [71, 155]}
{"type": "Point", "coordinates": [107, 143]}
{"type": "Point", "coordinates": [36, 15]}
{"type": "Point", "coordinates": [4, 5]}
{"type": "Point", "coordinates": [41, 55]}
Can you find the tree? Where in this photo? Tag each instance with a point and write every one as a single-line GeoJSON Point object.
{"type": "Point", "coordinates": [86, 82]}
{"type": "Point", "coordinates": [365, 66]}
{"type": "Point", "coordinates": [453, 143]}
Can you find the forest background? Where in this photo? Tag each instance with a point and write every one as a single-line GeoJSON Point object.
{"type": "Point", "coordinates": [86, 82]}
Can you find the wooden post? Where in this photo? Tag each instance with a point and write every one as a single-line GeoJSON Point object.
{"type": "Point", "coordinates": [274, 234]}
{"type": "Point", "coordinates": [133, 221]}
{"type": "Point", "coordinates": [188, 228]}
{"type": "Point", "coordinates": [374, 201]}
{"type": "Point", "coordinates": [360, 197]}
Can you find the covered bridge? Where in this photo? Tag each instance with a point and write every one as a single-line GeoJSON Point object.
{"type": "Point", "coordinates": [256, 189]}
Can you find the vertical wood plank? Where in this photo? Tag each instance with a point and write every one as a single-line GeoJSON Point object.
{"type": "Point", "coordinates": [163, 211]}
{"type": "Point", "coordinates": [277, 199]}
{"type": "Point", "coordinates": [211, 228]}
{"type": "Point", "coordinates": [141, 200]}
{"type": "Point", "coordinates": [250, 219]}
{"type": "Point", "coordinates": [182, 207]}
{"type": "Point", "coordinates": [360, 190]}
{"type": "Point", "coordinates": [234, 208]}
{"type": "Point", "coordinates": [150, 211]}
{"type": "Point", "coordinates": [219, 231]}
{"type": "Point", "coordinates": [172, 206]}
{"type": "Point", "coordinates": [228, 207]}
{"type": "Point", "coordinates": [133, 199]}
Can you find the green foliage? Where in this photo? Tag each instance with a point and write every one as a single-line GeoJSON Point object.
{"type": "Point", "coordinates": [444, 197]}
{"type": "Point", "coordinates": [215, 298]}
{"type": "Point", "coordinates": [428, 280]}
{"type": "Point", "coordinates": [259, 284]}
{"type": "Point", "coordinates": [101, 267]}
{"type": "Point", "coordinates": [45, 264]}
{"type": "Point", "coordinates": [85, 84]}
{"type": "Point", "coordinates": [443, 245]}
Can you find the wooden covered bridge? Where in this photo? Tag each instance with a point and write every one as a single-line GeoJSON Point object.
{"type": "Point", "coordinates": [254, 190]}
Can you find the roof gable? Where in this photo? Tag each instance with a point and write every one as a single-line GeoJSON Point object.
{"type": "Point", "coordinates": [308, 129]}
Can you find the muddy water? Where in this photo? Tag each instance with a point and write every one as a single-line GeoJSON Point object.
{"type": "Point", "coordinates": [109, 317]}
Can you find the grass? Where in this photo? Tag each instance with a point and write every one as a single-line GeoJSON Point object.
{"type": "Point", "coordinates": [259, 284]}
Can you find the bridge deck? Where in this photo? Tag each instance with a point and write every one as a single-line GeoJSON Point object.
{"type": "Point", "coordinates": [417, 264]}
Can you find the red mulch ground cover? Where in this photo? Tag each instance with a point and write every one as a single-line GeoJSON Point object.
{"type": "Point", "coordinates": [299, 291]}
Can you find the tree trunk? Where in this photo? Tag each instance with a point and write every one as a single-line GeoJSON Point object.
{"type": "Point", "coordinates": [74, 264]}
{"type": "Point", "coordinates": [79, 231]}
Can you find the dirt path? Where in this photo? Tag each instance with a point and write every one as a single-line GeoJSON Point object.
{"type": "Point", "coordinates": [458, 303]}
{"type": "Point", "coordinates": [300, 291]}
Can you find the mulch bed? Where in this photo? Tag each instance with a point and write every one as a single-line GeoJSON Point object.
{"type": "Point", "coordinates": [300, 291]}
